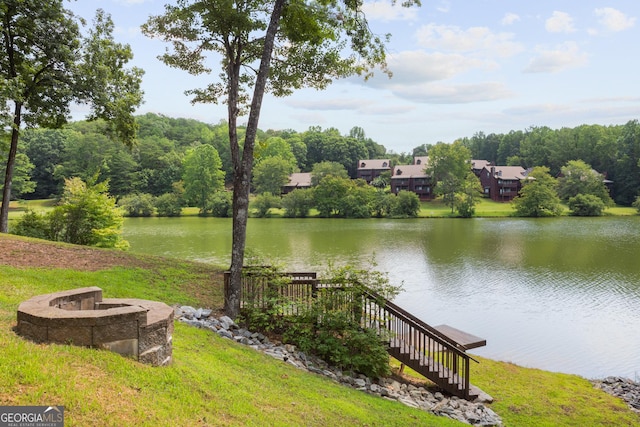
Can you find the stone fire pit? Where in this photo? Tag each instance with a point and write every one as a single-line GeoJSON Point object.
{"type": "Point", "coordinates": [136, 328]}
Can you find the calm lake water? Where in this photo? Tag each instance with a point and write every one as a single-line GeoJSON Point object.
{"type": "Point", "coordinates": [559, 294]}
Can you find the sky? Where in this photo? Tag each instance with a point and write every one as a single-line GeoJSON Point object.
{"type": "Point", "coordinates": [459, 68]}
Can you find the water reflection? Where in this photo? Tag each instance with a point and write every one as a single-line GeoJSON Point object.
{"type": "Point", "coordinates": [558, 294]}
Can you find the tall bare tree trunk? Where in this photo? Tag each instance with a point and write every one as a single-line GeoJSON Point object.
{"type": "Point", "coordinates": [8, 176]}
{"type": "Point", "coordinates": [242, 176]}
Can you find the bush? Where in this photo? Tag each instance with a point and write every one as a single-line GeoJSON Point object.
{"type": "Point", "coordinates": [265, 201]}
{"type": "Point", "coordinates": [330, 326]}
{"type": "Point", "coordinates": [407, 205]}
{"type": "Point", "coordinates": [586, 205]}
{"type": "Point", "coordinates": [636, 204]}
{"type": "Point", "coordinates": [221, 204]}
{"type": "Point", "coordinates": [298, 203]}
{"type": "Point", "coordinates": [137, 205]}
{"type": "Point", "coordinates": [32, 224]}
{"type": "Point", "coordinates": [86, 215]}
{"type": "Point", "coordinates": [169, 204]}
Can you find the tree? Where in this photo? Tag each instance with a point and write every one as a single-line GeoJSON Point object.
{"type": "Point", "coordinates": [271, 174]}
{"type": "Point", "coordinates": [22, 183]}
{"type": "Point", "coordinates": [45, 148]}
{"type": "Point", "coordinates": [468, 195]}
{"type": "Point", "coordinates": [203, 176]}
{"type": "Point", "coordinates": [326, 168]}
{"type": "Point", "coordinates": [577, 177]}
{"type": "Point", "coordinates": [136, 205]}
{"type": "Point", "coordinates": [275, 147]}
{"type": "Point", "coordinates": [86, 215]}
{"type": "Point", "coordinates": [538, 196]}
{"type": "Point", "coordinates": [45, 64]}
{"type": "Point", "coordinates": [291, 44]}
{"type": "Point", "coordinates": [448, 167]}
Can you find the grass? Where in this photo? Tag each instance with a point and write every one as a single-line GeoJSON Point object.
{"type": "Point", "coordinates": [215, 382]}
{"type": "Point", "coordinates": [486, 208]}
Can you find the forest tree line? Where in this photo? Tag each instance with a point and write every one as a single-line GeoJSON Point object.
{"type": "Point", "coordinates": [160, 157]}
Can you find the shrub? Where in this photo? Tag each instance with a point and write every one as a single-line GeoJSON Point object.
{"type": "Point", "coordinates": [86, 215]}
{"type": "Point", "coordinates": [586, 205]}
{"type": "Point", "coordinates": [265, 201]}
{"type": "Point", "coordinates": [636, 204]}
{"type": "Point", "coordinates": [221, 204]}
{"type": "Point", "coordinates": [330, 326]}
{"type": "Point", "coordinates": [137, 205]}
{"type": "Point", "coordinates": [169, 204]}
{"type": "Point", "coordinates": [298, 203]}
{"type": "Point", "coordinates": [32, 224]}
{"type": "Point", "coordinates": [407, 205]}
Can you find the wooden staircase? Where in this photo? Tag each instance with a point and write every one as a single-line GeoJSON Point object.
{"type": "Point", "coordinates": [425, 349]}
{"type": "Point", "coordinates": [438, 353]}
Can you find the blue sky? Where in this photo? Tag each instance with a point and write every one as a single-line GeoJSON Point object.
{"type": "Point", "coordinates": [459, 67]}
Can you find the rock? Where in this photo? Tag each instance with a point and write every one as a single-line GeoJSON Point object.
{"type": "Point", "coordinates": [386, 388]}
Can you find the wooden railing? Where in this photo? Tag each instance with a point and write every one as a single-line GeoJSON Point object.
{"type": "Point", "coordinates": [409, 339]}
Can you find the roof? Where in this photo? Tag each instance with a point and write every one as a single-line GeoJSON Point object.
{"type": "Point", "coordinates": [421, 160]}
{"type": "Point", "coordinates": [300, 179]}
{"type": "Point", "coordinates": [479, 164]}
{"type": "Point", "coordinates": [409, 171]}
{"type": "Point", "coordinates": [508, 172]}
{"type": "Point", "coordinates": [374, 164]}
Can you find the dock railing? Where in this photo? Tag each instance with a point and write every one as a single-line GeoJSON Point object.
{"type": "Point", "coordinates": [410, 340]}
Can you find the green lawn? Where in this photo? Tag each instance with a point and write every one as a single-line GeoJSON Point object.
{"type": "Point", "coordinates": [214, 382]}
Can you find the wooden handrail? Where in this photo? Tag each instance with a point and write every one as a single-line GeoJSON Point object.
{"type": "Point", "coordinates": [441, 359]}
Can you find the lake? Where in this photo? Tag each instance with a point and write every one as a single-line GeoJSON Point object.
{"type": "Point", "coordinates": [560, 294]}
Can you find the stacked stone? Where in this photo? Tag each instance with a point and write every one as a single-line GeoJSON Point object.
{"type": "Point", "coordinates": [474, 413]}
{"type": "Point", "coordinates": [624, 388]}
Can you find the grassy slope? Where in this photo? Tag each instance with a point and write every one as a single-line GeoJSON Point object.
{"type": "Point", "coordinates": [215, 382]}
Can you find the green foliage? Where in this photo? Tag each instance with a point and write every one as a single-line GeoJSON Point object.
{"type": "Point", "coordinates": [136, 205]}
{"type": "Point", "coordinates": [169, 205]}
{"type": "Point", "coordinates": [265, 201]}
{"type": "Point", "coordinates": [329, 325]}
{"type": "Point", "coordinates": [586, 205]}
{"type": "Point", "coordinates": [448, 168]}
{"type": "Point", "coordinates": [203, 176]}
{"type": "Point", "coordinates": [271, 174]}
{"type": "Point", "coordinates": [468, 196]}
{"type": "Point", "coordinates": [298, 203]}
{"type": "Point", "coordinates": [221, 204]}
{"type": "Point", "coordinates": [86, 215]}
{"type": "Point", "coordinates": [577, 177]}
{"type": "Point", "coordinates": [636, 204]}
{"type": "Point", "coordinates": [22, 183]}
{"type": "Point", "coordinates": [32, 224]}
{"type": "Point", "coordinates": [407, 205]}
{"type": "Point", "coordinates": [327, 168]}
{"type": "Point", "coordinates": [538, 196]}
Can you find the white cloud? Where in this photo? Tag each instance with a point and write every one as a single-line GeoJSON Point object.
{"type": "Point", "coordinates": [614, 20]}
{"type": "Point", "coordinates": [510, 18]}
{"type": "Point", "coordinates": [411, 67]}
{"type": "Point", "coordinates": [444, 6]}
{"type": "Point", "coordinates": [453, 94]}
{"type": "Point", "coordinates": [560, 22]}
{"type": "Point", "coordinates": [328, 104]}
{"type": "Point", "coordinates": [474, 39]}
{"type": "Point", "coordinates": [385, 12]}
{"type": "Point", "coordinates": [562, 57]}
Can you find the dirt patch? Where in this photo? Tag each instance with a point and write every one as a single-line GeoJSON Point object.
{"type": "Point", "coordinates": [18, 252]}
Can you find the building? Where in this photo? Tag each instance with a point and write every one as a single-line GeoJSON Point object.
{"type": "Point", "coordinates": [502, 183]}
{"type": "Point", "coordinates": [297, 180]}
{"type": "Point", "coordinates": [371, 169]}
{"type": "Point", "coordinates": [478, 165]}
{"type": "Point", "coordinates": [412, 178]}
